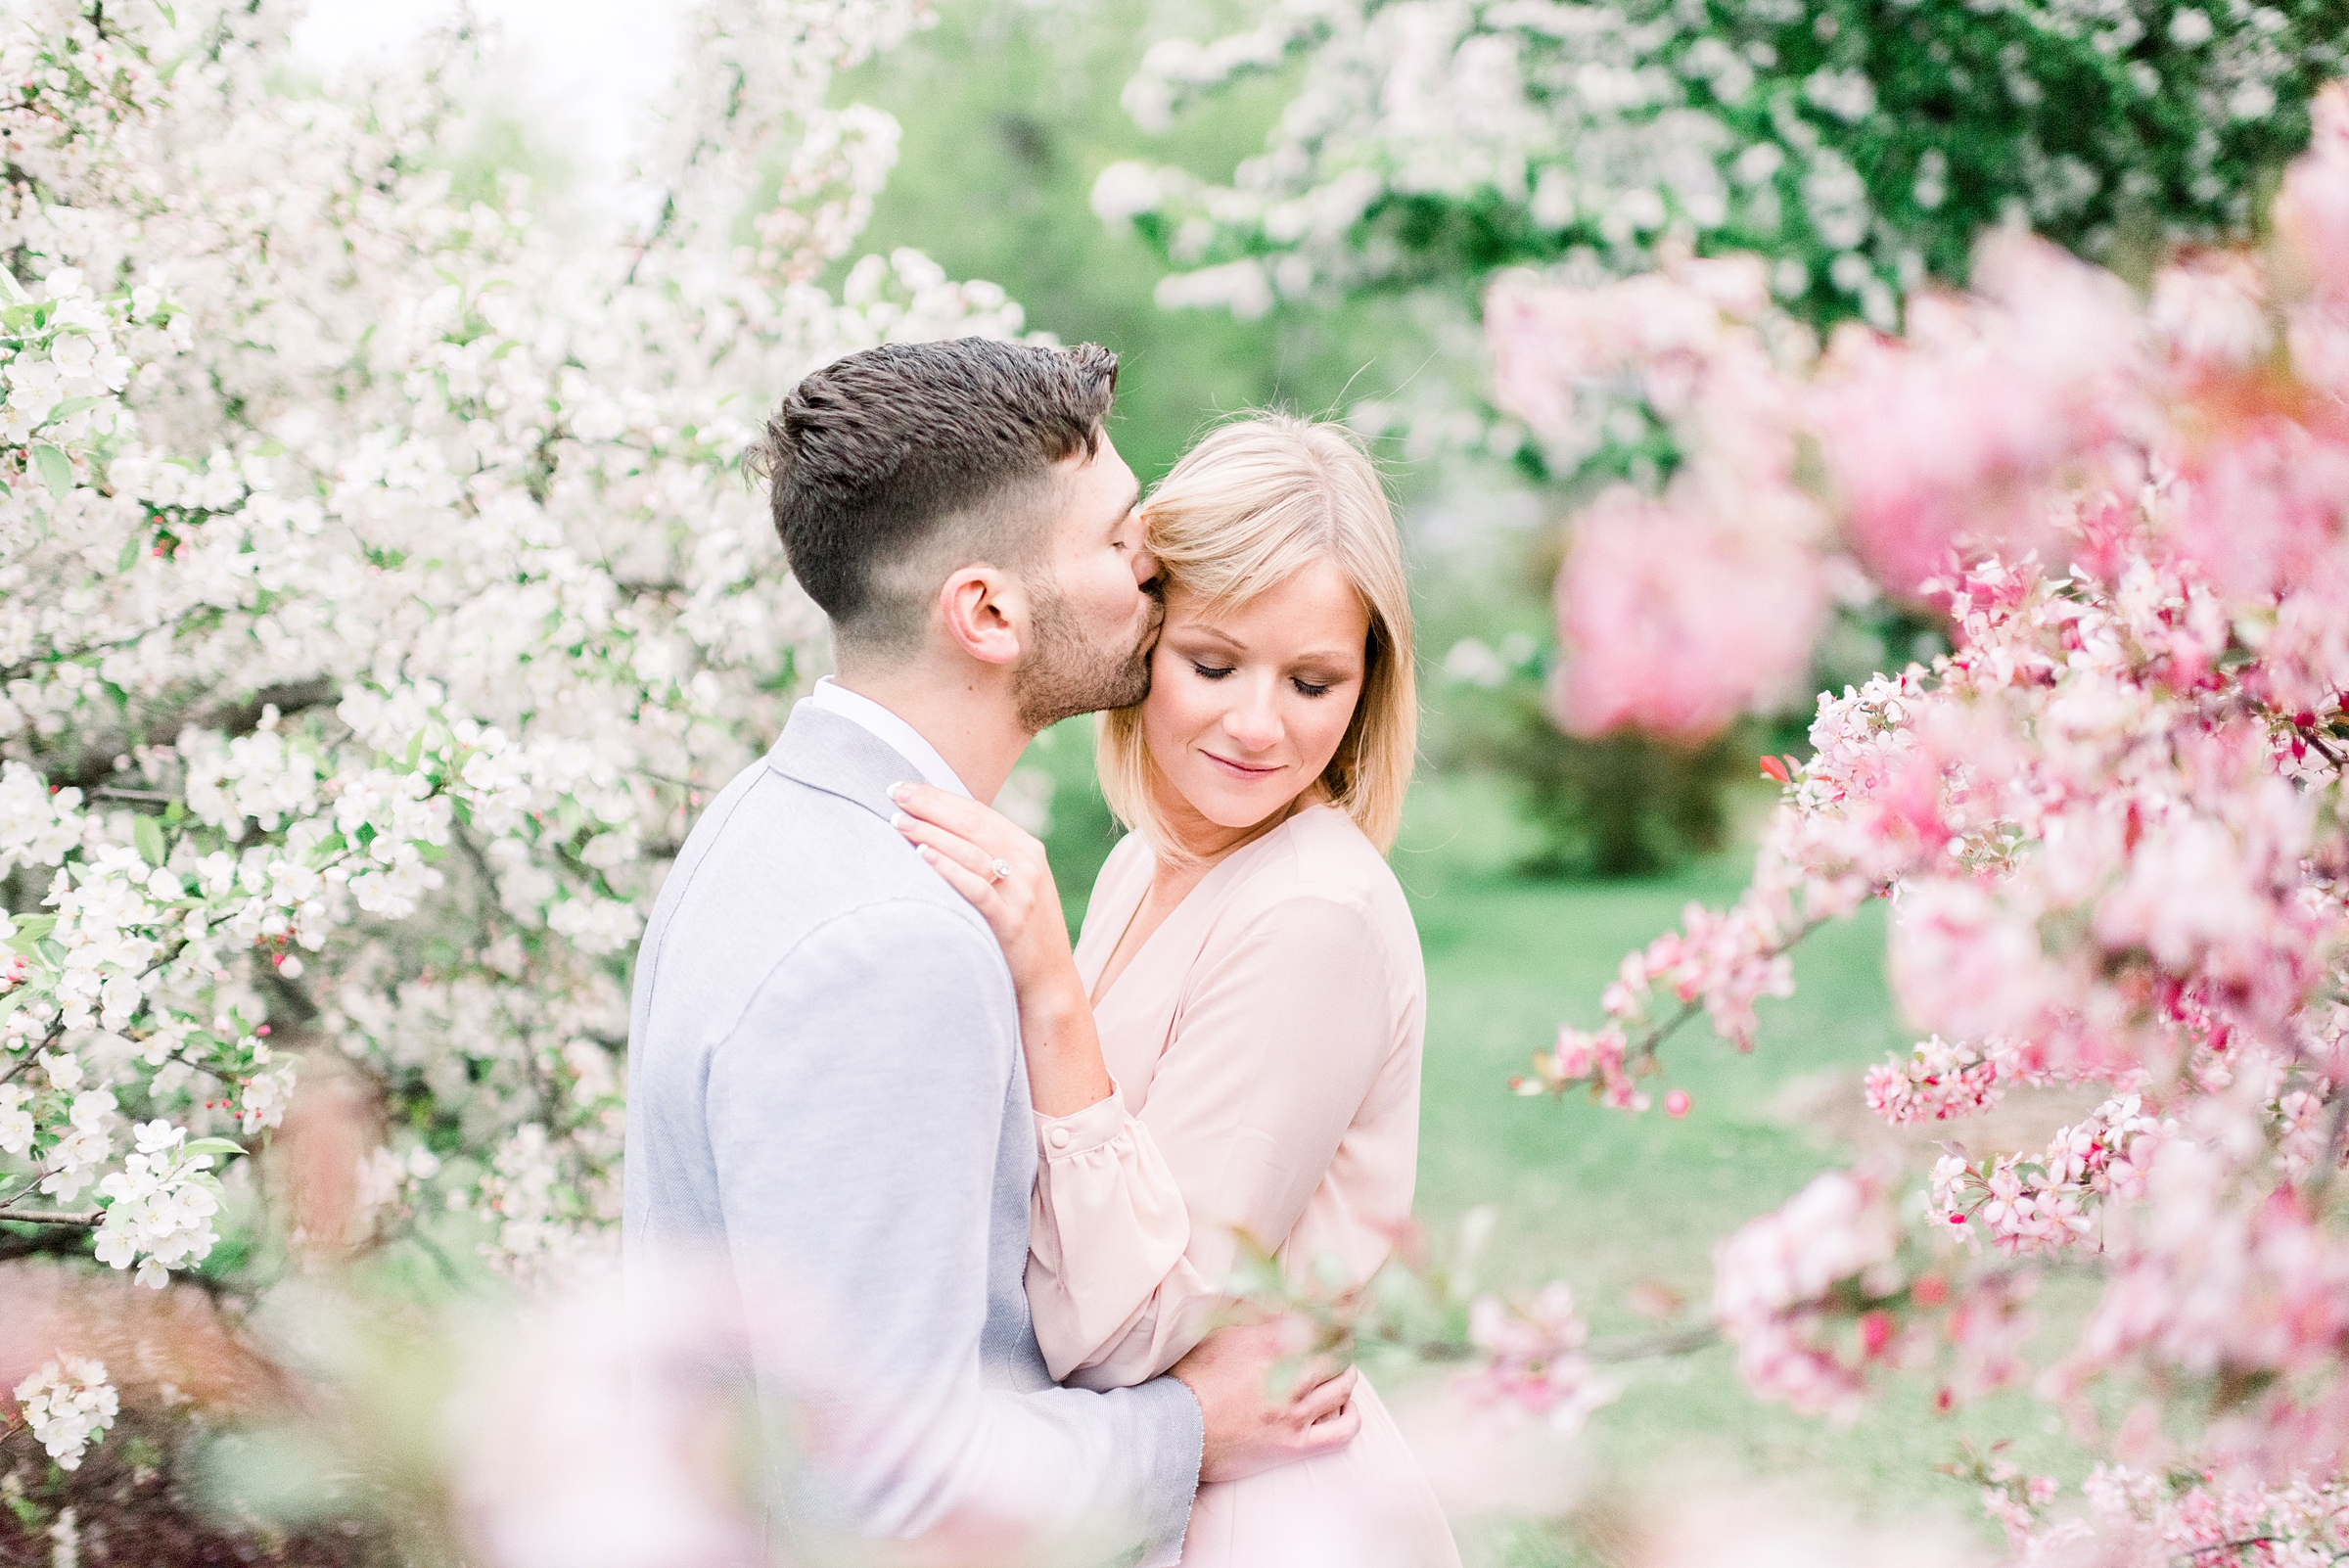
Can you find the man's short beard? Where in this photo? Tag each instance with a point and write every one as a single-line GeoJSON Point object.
{"type": "Point", "coordinates": [1064, 675]}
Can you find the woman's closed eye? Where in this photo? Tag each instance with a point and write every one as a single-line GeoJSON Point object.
{"type": "Point", "coordinates": [1304, 687]}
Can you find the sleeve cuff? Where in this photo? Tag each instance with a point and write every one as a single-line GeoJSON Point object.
{"type": "Point", "coordinates": [1062, 1137]}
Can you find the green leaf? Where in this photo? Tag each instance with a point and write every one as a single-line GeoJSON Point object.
{"type": "Point", "coordinates": [147, 833]}
{"type": "Point", "coordinates": [220, 1146]}
{"type": "Point", "coordinates": [32, 927]}
{"type": "Point", "coordinates": [170, 16]}
{"type": "Point", "coordinates": [56, 469]}
{"type": "Point", "coordinates": [69, 408]}
{"type": "Point", "coordinates": [131, 549]}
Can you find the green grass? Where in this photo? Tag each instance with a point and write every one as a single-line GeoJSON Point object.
{"type": "Point", "coordinates": [1509, 959]}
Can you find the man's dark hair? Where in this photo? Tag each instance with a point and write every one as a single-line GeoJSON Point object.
{"type": "Point", "coordinates": [882, 463]}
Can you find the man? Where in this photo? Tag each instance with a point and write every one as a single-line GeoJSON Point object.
{"type": "Point", "coordinates": [825, 1082]}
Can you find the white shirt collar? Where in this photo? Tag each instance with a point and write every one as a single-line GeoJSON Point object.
{"type": "Point", "coordinates": [888, 728]}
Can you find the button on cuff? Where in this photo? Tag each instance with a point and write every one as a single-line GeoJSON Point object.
{"type": "Point", "coordinates": [1061, 1137]}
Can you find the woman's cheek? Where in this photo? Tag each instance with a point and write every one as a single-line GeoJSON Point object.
{"type": "Point", "coordinates": [1166, 711]}
{"type": "Point", "coordinates": [1195, 700]}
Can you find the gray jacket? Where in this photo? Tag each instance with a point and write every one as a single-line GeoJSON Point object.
{"type": "Point", "coordinates": [826, 1095]}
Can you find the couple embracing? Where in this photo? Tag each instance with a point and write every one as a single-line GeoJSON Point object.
{"type": "Point", "coordinates": [996, 1185]}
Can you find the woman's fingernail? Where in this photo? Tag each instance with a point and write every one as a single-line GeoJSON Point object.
{"type": "Point", "coordinates": [899, 791]}
{"type": "Point", "coordinates": [927, 853]}
{"type": "Point", "coordinates": [901, 822]}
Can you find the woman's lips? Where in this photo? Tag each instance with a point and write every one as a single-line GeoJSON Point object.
{"type": "Point", "coordinates": [1239, 770]}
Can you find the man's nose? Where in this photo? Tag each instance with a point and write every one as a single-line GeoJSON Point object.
{"type": "Point", "coordinates": [1145, 569]}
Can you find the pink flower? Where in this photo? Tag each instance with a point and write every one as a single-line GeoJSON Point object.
{"type": "Point", "coordinates": [2263, 503]}
{"type": "Point", "coordinates": [1533, 1358]}
{"type": "Point", "coordinates": [2312, 210]}
{"type": "Point", "coordinates": [1771, 1277]}
{"type": "Point", "coordinates": [1667, 331]}
{"type": "Point", "coordinates": [1676, 622]}
{"type": "Point", "coordinates": [1945, 441]}
{"type": "Point", "coordinates": [1941, 1081]}
{"type": "Point", "coordinates": [1966, 962]}
{"type": "Point", "coordinates": [2213, 309]}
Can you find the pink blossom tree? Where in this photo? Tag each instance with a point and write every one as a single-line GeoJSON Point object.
{"type": "Point", "coordinates": [2110, 824]}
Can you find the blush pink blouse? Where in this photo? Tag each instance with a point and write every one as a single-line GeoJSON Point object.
{"type": "Point", "coordinates": [1265, 1045]}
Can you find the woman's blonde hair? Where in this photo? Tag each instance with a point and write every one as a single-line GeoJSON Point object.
{"type": "Point", "coordinates": [1256, 501]}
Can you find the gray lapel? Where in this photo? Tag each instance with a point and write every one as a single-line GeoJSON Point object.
{"type": "Point", "coordinates": [842, 758]}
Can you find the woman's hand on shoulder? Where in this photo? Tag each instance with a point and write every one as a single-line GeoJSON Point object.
{"type": "Point", "coordinates": [1000, 868]}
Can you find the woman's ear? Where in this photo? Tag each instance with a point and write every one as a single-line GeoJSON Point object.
{"type": "Point", "coordinates": [985, 612]}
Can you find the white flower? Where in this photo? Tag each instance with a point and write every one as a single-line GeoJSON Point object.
{"type": "Point", "coordinates": [264, 1098]}
{"type": "Point", "coordinates": [91, 1108]}
{"type": "Point", "coordinates": [15, 1122]}
{"type": "Point", "coordinates": [1123, 191]}
{"type": "Point", "coordinates": [68, 1403]}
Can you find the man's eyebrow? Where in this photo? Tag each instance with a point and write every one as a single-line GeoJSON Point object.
{"type": "Point", "coordinates": [1133, 500]}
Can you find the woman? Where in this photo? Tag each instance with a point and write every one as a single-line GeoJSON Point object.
{"type": "Point", "coordinates": [1233, 1049]}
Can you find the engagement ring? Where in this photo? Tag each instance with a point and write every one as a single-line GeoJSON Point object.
{"type": "Point", "coordinates": [1000, 870]}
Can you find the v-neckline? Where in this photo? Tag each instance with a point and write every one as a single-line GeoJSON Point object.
{"type": "Point", "coordinates": [1098, 992]}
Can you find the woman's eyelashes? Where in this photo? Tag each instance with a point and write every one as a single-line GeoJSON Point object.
{"type": "Point", "coordinates": [1304, 687]}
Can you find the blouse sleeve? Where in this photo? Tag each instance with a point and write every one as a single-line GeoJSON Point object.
{"type": "Point", "coordinates": [1283, 1027]}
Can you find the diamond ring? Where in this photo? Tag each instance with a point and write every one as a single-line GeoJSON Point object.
{"type": "Point", "coordinates": [999, 871]}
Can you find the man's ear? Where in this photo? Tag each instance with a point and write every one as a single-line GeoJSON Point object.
{"type": "Point", "coordinates": [985, 612]}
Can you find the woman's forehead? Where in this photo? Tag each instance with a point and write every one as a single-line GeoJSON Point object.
{"type": "Point", "coordinates": [1313, 604]}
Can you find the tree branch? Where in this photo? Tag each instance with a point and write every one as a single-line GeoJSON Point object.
{"type": "Point", "coordinates": [1639, 1348]}
{"type": "Point", "coordinates": [51, 1216]}
{"type": "Point", "coordinates": [1645, 1048]}
{"type": "Point", "coordinates": [1608, 1352]}
{"type": "Point", "coordinates": [233, 718]}
{"type": "Point", "coordinates": [61, 656]}
{"type": "Point", "coordinates": [53, 1241]}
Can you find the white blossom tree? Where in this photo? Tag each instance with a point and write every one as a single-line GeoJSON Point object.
{"type": "Point", "coordinates": [1861, 146]}
{"type": "Point", "coordinates": [380, 592]}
